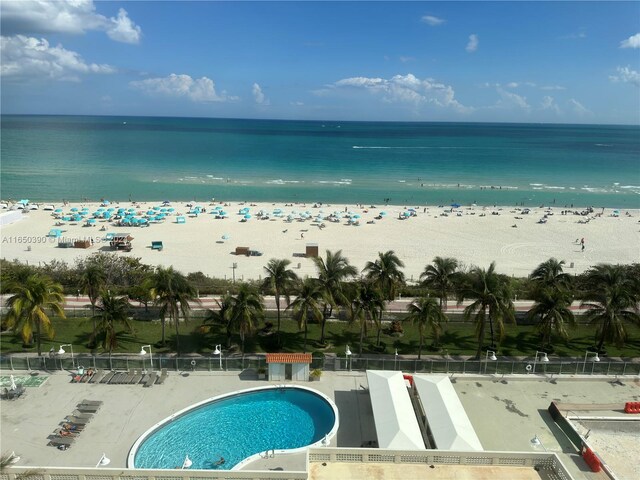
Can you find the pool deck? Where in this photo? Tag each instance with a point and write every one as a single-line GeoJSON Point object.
{"type": "Point", "coordinates": [506, 414]}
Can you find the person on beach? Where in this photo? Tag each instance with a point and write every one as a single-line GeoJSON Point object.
{"type": "Point", "coordinates": [583, 246]}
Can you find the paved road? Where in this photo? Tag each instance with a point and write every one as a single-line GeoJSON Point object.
{"type": "Point", "coordinates": [209, 301]}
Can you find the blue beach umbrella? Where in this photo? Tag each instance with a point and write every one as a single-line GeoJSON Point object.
{"type": "Point", "coordinates": [74, 209]}
{"type": "Point", "coordinates": [455, 205]}
{"type": "Point", "coordinates": [247, 216]}
{"type": "Point", "coordinates": [58, 210]}
{"type": "Point", "coordinates": [382, 214]}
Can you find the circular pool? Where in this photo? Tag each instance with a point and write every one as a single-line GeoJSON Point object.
{"type": "Point", "coordinates": [237, 426]}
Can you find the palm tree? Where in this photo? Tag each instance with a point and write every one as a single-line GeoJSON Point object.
{"type": "Point", "coordinates": [221, 316]}
{"type": "Point", "coordinates": [280, 279]}
{"type": "Point", "coordinates": [367, 306]}
{"type": "Point", "coordinates": [29, 304]}
{"type": "Point", "coordinates": [307, 304]}
{"type": "Point", "coordinates": [92, 282]}
{"type": "Point", "coordinates": [492, 302]}
{"type": "Point", "coordinates": [245, 311]}
{"type": "Point", "coordinates": [427, 313]}
{"type": "Point", "coordinates": [172, 293]}
{"type": "Point", "coordinates": [612, 300]}
{"type": "Point", "coordinates": [550, 274]}
{"type": "Point", "coordinates": [441, 276]}
{"type": "Point", "coordinates": [111, 310]}
{"type": "Point", "coordinates": [552, 307]}
{"type": "Point", "coordinates": [332, 272]}
{"type": "Point", "coordinates": [385, 274]}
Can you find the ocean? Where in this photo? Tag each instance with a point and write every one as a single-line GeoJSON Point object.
{"type": "Point", "coordinates": [51, 158]}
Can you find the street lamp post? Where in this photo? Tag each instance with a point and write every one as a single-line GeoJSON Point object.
{"type": "Point", "coordinates": [544, 358]}
{"type": "Point", "coordinates": [347, 352]}
{"type": "Point", "coordinates": [61, 351]}
{"type": "Point", "coordinates": [490, 355]}
{"type": "Point", "coordinates": [143, 352]}
{"type": "Point", "coordinates": [595, 358]}
{"type": "Point", "coordinates": [218, 351]}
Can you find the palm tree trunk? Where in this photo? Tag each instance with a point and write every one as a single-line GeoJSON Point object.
{"type": "Point", "coordinates": [278, 310]}
{"type": "Point", "coordinates": [39, 339]}
{"type": "Point", "coordinates": [163, 323]}
{"type": "Point", "coordinates": [480, 338]}
{"type": "Point", "coordinates": [325, 313]}
{"type": "Point", "coordinates": [177, 321]}
{"type": "Point", "coordinates": [379, 329]}
{"type": "Point", "coordinates": [305, 336]}
{"type": "Point", "coordinates": [362, 325]}
{"type": "Point", "coordinates": [420, 346]}
{"type": "Point", "coordinates": [491, 329]}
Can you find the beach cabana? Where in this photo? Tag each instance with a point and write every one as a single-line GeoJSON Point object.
{"type": "Point", "coordinates": [288, 366]}
{"type": "Point", "coordinates": [444, 414]}
{"type": "Point", "coordinates": [396, 423]}
{"type": "Point", "coordinates": [181, 219]}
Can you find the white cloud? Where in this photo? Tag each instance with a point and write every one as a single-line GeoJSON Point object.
{"type": "Point", "coordinates": [258, 95]}
{"type": "Point", "coordinates": [552, 87]}
{"type": "Point", "coordinates": [511, 100]}
{"type": "Point", "coordinates": [404, 59]}
{"type": "Point", "coordinates": [29, 57]}
{"type": "Point", "coordinates": [548, 103]}
{"type": "Point", "coordinates": [405, 89]}
{"type": "Point", "coordinates": [578, 108]}
{"type": "Point", "coordinates": [123, 29]}
{"type": "Point", "coordinates": [65, 16]}
{"type": "Point", "coordinates": [626, 75]}
{"type": "Point", "coordinates": [432, 21]}
{"type": "Point", "coordinates": [197, 90]}
{"type": "Point", "coordinates": [472, 46]}
{"type": "Point", "coordinates": [632, 42]}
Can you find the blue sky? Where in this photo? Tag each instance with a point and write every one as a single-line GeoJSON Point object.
{"type": "Point", "coordinates": [558, 62]}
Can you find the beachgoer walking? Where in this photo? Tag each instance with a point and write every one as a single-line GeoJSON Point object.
{"type": "Point", "coordinates": [582, 241]}
{"type": "Point", "coordinates": [583, 247]}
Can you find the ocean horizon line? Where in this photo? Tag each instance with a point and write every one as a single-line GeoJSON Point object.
{"type": "Point", "coordinates": [296, 120]}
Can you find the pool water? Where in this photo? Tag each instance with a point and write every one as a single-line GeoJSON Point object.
{"type": "Point", "coordinates": [236, 427]}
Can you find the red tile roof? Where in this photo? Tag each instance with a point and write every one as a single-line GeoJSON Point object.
{"type": "Point", "coordinates": [288, 358]}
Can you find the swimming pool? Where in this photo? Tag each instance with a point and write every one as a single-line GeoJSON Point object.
{"type": "Point", "coordinates": [237, 426]}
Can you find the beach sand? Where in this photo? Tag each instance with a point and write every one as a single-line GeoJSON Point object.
{"type": "Point", "coordinates": [474, 235]}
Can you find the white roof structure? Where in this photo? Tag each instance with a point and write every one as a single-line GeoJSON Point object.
{"type": "Point", "coordinates": [446, 417]}
{"type": "Point", "coordinates": [395, 419]}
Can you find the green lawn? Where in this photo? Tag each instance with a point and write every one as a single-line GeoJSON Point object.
{"type": "Point", "coordinates": [457, 339]}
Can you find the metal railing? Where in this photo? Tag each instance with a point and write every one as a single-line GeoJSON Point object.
{"type": "Point", "coordinates": [340, 364]}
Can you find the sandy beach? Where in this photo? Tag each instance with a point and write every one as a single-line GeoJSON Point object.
{"type": "Point", "coordinates": [518, 240]}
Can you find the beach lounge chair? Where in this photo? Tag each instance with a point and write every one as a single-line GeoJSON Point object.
{"type": "Point", "coordinates": [157, 245]}
{"type": "Point", "coordinates": [80, 414]}
{"type": "Point", "coordinates": [136, 378]}
{"type": "Point", "coordinates": [151, 380]}
{"type": "Point", "coordinates": [107, 378]}
{"type": "Point", "coordinates": [129, 377]}
{"type": "Point", "coordinates": [77, 421]}
{"type": "Point", "coordinates": [162, 377]}
{"type": "Point", "coordinates": [91, 402]}
{"type": "Point", "coordinates": [116, 378]}
{"type": "Point", "coordinates": [57, 441]}
{"type": "Point", "coordinates": [98, 376]}
{"type": "Point", "coordinates": [88, 408]}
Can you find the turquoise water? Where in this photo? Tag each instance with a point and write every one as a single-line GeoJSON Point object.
{"type": "Point", "coordinates": [50, 158]}
{"type": "Point", "coordinates": [238, 427]}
